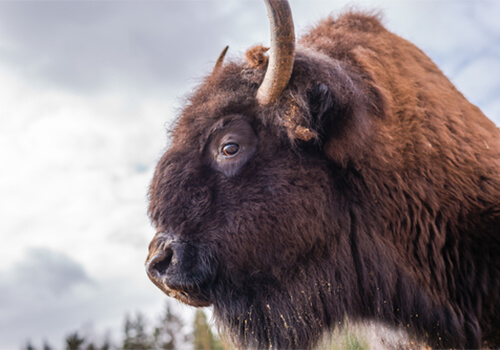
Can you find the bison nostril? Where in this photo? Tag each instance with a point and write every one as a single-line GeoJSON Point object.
{"type": "Point", "coordinates": [158, 266]}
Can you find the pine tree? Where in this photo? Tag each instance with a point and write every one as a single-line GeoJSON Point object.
{"type": "Point", "coordinates": [167, 335]}
{"type": "Point", "coordinates": [29, 346]}
{"type": "Point", "coordinates": [136, 337]}
{"type": "Point", "coordinates": [46, 345]}
{"type": "Point", "coordinates": [74, 342]}
{"type": "Point", "coordinates": [203, 337]}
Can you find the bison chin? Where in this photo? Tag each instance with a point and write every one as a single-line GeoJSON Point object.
{"type": "Point", "coordinates": [176, 268]}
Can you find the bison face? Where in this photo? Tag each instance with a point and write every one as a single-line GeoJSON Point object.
{"type": "Point", "coordinates": [234, 210]}
{"type": "Point", "coordinates": [250, 203]}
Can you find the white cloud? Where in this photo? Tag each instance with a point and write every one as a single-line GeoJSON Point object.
{"type": "Point", "coordinates": [75, 178]}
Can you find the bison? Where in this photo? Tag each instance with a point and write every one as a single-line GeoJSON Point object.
{"type": "Point", "coordinates": [344, 176]}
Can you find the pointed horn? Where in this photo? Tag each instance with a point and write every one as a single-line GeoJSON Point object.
{"type": "Point", "coordinates": [220, 60]}
{"type": "Point", "coordinates": [282, 52]}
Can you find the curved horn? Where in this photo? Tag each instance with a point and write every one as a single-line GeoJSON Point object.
{"type": "Point", "coordinates": [282, 52]}
{"type": "Point", "coordinates": [220, 60]}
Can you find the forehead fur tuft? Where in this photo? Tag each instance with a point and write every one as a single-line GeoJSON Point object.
{"type": "Point", "coordinates": [256, 56]}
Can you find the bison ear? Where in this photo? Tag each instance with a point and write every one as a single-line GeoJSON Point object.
{"type": "Point", "coordinates": [340, 120]}
{"type": "Point", "coordinates": [323, 110]}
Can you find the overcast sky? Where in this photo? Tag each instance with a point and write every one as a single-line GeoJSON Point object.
{"type": "Point", "coordinates": [87, 89]}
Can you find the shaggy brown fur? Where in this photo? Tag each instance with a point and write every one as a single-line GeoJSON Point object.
{"type": "Point", "coordinates": [370, 189]}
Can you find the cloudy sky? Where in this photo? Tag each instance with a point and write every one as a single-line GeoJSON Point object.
{"type": "Point", "coordinates": [87, 89]}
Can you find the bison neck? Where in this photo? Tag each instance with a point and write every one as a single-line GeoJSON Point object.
{"type": "Point", "coordinates": [365, 280]}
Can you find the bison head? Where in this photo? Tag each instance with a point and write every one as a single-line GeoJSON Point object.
{"type": "Point", "coordinates": [319, 183]}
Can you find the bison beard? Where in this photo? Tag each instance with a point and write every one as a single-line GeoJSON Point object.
{"type": "Point", "coordinates": [369, 189]}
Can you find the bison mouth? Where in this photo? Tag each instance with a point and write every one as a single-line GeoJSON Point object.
{"type": "Point", "coordinates": [173, 267]}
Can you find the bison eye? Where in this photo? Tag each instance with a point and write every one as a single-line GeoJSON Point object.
{"type": "Point", "coordinates": [230, 149]}
{"type": "Point", "coordinates": [231, 146]}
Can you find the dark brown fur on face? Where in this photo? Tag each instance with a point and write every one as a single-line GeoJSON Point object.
{"type": "Point", "coordinates": [369, 189]}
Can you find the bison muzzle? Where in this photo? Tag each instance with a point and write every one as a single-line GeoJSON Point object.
{"type": "Point", "coordinates": [344, 176]}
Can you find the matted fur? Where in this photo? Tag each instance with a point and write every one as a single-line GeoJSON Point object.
{"type": "Point", "coordinates": [388, 210]}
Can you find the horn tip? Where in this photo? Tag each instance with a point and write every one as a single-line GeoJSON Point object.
{"type": "Point", "coordinates": [220, 59]}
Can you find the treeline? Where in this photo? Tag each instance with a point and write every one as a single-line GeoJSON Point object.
{"type": "Point", "coordinates": [168, 334]}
